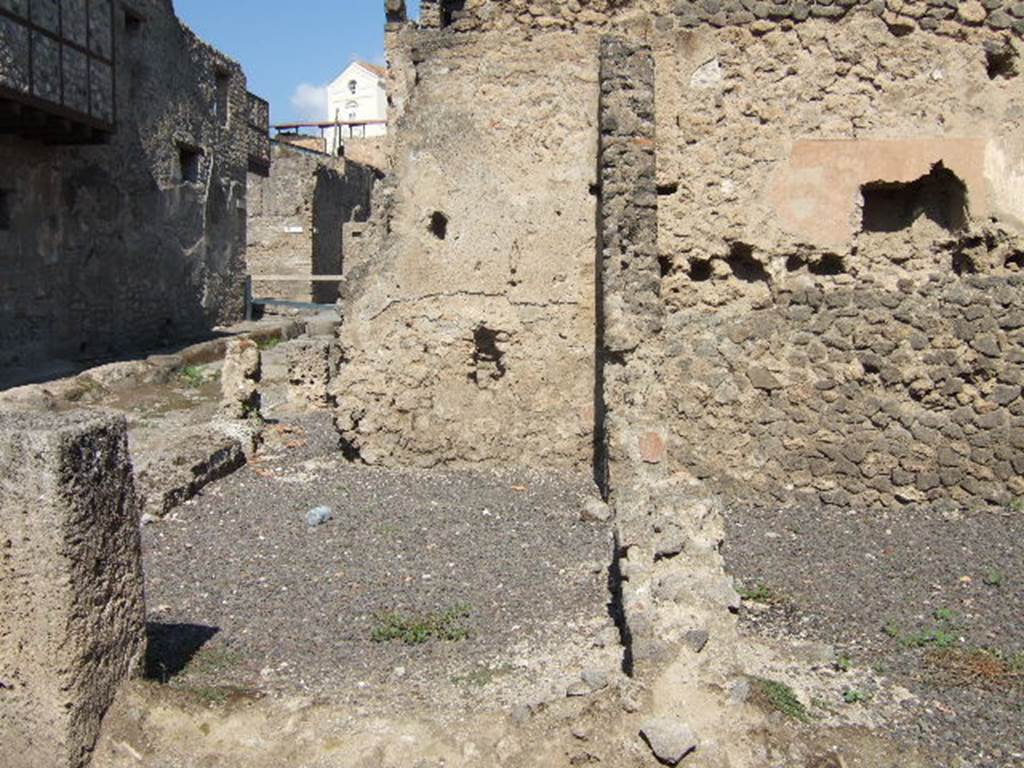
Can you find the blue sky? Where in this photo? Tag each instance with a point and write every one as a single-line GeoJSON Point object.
{"type": "Point", "coordinates": [291, 52]}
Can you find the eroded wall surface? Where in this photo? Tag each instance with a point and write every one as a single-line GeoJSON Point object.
{"type": "Point", "coordinates": [840, 263]}
{"type": "Point", "coordinates": [296, 217]}
{"type": "Point", "coordinates": [471, 337]}
{"type": "Point", "coordinates": [834, 209]}
{"type": "Point", "coordinates": [113, 247]}
{"type": "Point", "coordinates": [72, 610]}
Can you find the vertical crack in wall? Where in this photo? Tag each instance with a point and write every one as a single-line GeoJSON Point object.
{"type": "Point", "coordinates": [628, 273]}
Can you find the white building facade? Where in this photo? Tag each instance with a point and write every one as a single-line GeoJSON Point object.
{"type": "Point", "coordinates": [357, 101]}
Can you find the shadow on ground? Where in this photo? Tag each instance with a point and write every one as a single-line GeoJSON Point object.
{"type": "Point", "coordinates": [172, 646]}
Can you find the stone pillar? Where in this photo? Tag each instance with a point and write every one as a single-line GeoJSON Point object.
{"type": "Point", "coordinates": [629, 284]}
{"type": "Point", "coordinates": [72, 612]}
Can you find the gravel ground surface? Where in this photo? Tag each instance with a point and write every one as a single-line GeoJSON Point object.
{"type": "Point", "coordinates": [913, 594]}
{"type": "Point", "coordinates": [241, 588]}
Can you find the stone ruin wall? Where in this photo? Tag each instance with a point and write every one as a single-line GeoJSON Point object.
{"type": "Point", "coordinates": [828, 331]}
{"type": "Point", "coordinates": [470, 338]}
{"type": "Point", "coordinates": [297, 218]}
{"type": "Point", "coordinates": [946, 17]}
{"type": "Point", "coordinates": [801, 341]}
{"type": "Point", "coordinates": [105, 247]}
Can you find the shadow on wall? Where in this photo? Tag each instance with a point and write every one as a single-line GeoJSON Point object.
{"type": "Point", "coordinates": [172, 646]}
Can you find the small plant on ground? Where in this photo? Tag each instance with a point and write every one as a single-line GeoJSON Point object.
{"type": "Point", "coordinates": [771, 694]}
{"type": "Point", "coordinates": [193, 376]}
{"type": "Point", "coordinates": [1016, 505]}
{"type": "Point", "coordinates": [416, 630]}
{"type": "Point", "coordinates": [268, 343]}
{"type": "Point", "coordinates": [941, 635]}
{"type": "Point", "coordinates": [844, 664]}
{"type": "Point", "coordinates": [854, 696]}
{"type": "Point", "coordinates": [759, 593]}
{"type": "Point", "coordinates": [993, 578]}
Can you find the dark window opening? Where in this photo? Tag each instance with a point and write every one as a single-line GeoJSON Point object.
{"type": "Point", "coordinates": [700, 270]}
{"type": "Point", "coordinates": [1000, 61]}
{"type": "Point", "coordinates": [439, 225]}
{"type": "Point", "coordinates": [132, 22]}
{"type": "Point", "coordinates": [222, 98]}
{"type": "Point", "coordinates": [940, 196]}
{"type": "Point", "coordinates": [664, 190]}
{"type": "Point", "coordinates": [744, 266]}
{"type": "Point", "coordinates": [190, 159]}
{"type": "Point", "coordinates": [5, 210]}
{"type": "Point", "coordinates": [829, 264]}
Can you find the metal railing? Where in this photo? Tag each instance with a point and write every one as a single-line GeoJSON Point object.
{"type": "Point", "coordinates": [57, 59]}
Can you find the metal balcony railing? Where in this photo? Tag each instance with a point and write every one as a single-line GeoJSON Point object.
{"type": "Point", "coordinates": [57, 70]}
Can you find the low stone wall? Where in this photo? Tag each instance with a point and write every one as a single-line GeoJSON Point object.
{"type": "Point", "coordinates": [71, 592]}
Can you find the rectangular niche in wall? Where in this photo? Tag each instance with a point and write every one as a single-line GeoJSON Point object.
{"type": "Point", "coordinates": [189, 163]}
{"type": "Point", "coordinates": [222, 100]}
{"type": "Point", "coordinates": [5, 210]}
{"type": "Point", "coordinates": [939, 196]}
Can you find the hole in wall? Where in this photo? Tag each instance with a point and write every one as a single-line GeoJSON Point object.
{"type": "Point", "coordinates": [664, 265]}
{"type": "Point", "coordinates": [5, 210]}
{"type": "Point", "coordinates": [794, 264]}
{"type": "Point", "coordinates": [189, 163]}
{"type": "Point", "coordinates": [743, 264]}
{"type": "Point", "coordinates": [963, 264]}
{"type": "Point", "coordinates": [665, 190]}
{"type": "Point", "coordinates": [488, 357]}
{"type": "Point", "coordinates": [132, 22]}
{"type": "Point", "coordinates": [451, 10]}
{"type": "Point", "coordinates": [1000, 61]}
{"type": "Point", "coordinates": [829, 264]}
{"type": "Point", "coordinates": [439, 225]}
{"type": "Point", "coordinates": [1015, 261]}
{"type": "Point", "coordinates": [595, 189]}
{"type": "Point", "coordinates": [893, 206]}
{"type": "Point", "coordinates": [700, 270]}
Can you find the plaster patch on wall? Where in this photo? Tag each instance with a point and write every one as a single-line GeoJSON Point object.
{"type": "Point", "coordinates": [817, 192]}
{"type": "Point", "coordinates": [1005, 175]}
{"type": "Point", "coordinates": [707, 75]}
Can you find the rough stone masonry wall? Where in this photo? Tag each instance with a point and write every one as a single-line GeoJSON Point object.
{"type": "Point", "coordinates": [838, 233]}
{"type": "Point", "coordinates": [107, 248]}
{"type": "Point", "coordinates": [471, 337]}
{"type": "Point", "coordinates": [72, 613]}
{"type": "Point", "coordinates": [296, 216]}
{"type": "Point", "coordinates": [943, 16]}
{"type": "Point", "coordinates": [843, 312]}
